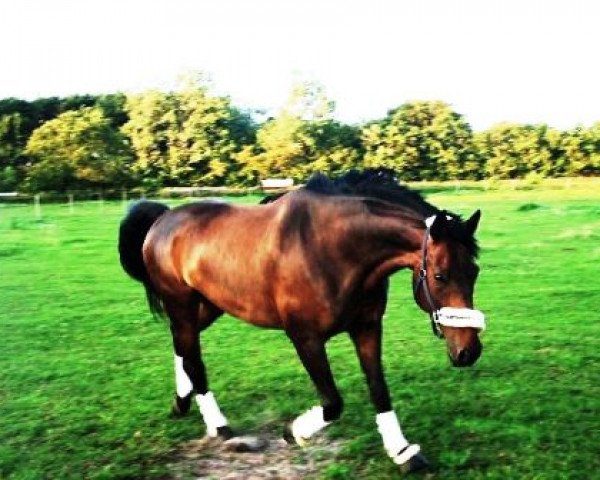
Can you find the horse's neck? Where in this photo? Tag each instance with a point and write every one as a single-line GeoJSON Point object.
{"type": "Point", "coordinates": [392, 242]}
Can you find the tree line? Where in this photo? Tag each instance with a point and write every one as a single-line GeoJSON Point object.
{"type": "Point", "coordinates": [192, 137]}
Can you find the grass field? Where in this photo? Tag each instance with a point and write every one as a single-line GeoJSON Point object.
{"type": "Point", "coordinates": [86, 374]}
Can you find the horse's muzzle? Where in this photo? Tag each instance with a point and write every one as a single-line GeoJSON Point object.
{"type": "Point", "coordinates": [467, 356]}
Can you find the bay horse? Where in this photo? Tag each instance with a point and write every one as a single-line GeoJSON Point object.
{"type": "Point", "coordinates": [314, 262]}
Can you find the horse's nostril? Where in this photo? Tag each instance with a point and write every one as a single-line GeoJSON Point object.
{"type": "Point", "coordinates": [463, 357]}
{"type": "Point", "coordinates": [467, 356]}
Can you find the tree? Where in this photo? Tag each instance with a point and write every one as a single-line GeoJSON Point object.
{"type": "Point", "coordinates": [113, 107]}
{"type": "Point", "coordinates": [336, 147]}
{"type": "Point", "coordinates": [186, 137]}
{"type": "Point", "coordinates": [149, 130]}
{"type": "Point", "coordinates": [278, 151]}
{"type": "Point", "coordinates": [422, 141]}
{"type": "Point", "coordinates": [302, 139]}
{"type": "Point", "coordinates": [12, 142]}
{"type": "Point", "coordinates": [78, 149]}
{"type": "Point", "coordinates": [18, 119]}
{"type": "Point", "coordinates": [581, 150]}
{"type": "Point", "coordinates": [76, 102]}
{"type": "Point", "coordinates": [308, 101]}
{"type": "Point", "coordinates": [514, 150]}
{"type": "Point", "coordinates": [29, 117]}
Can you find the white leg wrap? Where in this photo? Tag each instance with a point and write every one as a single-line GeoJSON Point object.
{"type": "Point", "coordinates": [182, 381]}
{"type": "Point", "coordinates": [393, 439]}
{"type": "Point", "coordinates": [307, 424]}
{"type": "Point", "coordinates": [407, 454]}
{"type": "Point", "coordinates": [211, 413]}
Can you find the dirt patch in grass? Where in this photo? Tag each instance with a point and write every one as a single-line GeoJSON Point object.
{"type": "Point", "coordinates": [208, 458]}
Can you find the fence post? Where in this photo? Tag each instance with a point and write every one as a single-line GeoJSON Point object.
{"type": "Point", "coordinates": [37, 208]}
{"type": "Point", "coordinates": [71, 203]}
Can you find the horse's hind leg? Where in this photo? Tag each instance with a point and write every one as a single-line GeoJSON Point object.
{"type": "Point", "coordinates": [187, 321]}
{"type": "Point", "coordinates": [314, 358]}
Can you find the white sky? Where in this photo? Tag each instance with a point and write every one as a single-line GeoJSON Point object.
{"type": "Point", "coordinates": [492, 60]}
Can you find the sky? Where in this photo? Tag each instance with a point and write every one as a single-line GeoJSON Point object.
{"type": "Point", "coordinates": [526, 61]}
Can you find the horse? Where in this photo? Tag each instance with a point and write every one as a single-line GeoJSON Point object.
{"type": "Point", "coordinates": [313, 262]}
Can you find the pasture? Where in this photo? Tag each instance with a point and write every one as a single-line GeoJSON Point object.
{"type": "Point", "coordinates": [86, 376]}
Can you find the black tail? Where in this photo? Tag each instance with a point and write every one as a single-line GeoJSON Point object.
{"type": "Point", "coordinates": [132, 233]}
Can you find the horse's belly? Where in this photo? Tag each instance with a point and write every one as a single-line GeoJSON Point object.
{"type": "Point", "coordinates": [259, 319]}
{"type": "Point", "coordinates": [244, 298]}
{"type": "Point", "coordinates": [247, 308]}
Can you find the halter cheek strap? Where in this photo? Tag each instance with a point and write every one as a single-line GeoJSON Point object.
{"type": "Point", "coordinates": [448, 316]}
{"type": "Point", "coordinates": [422, 281]}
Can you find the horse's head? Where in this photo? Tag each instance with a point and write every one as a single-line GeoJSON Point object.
{"type": "Point", "coordinates": [444, 281]}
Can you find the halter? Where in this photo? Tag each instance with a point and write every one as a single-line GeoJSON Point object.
{"type": "Point", "coordinates": [422, 282]}
{"type": "Point", "coordinates": [449, 316]}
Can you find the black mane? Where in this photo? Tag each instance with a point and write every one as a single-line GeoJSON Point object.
{"type": "Point", "coordinates": [378, 183]}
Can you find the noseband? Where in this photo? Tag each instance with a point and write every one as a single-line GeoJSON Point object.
{"type": "Point", "coordinates": [449, 316]}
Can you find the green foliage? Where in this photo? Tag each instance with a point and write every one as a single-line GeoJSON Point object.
{"type": "Point", "coordinates": [581, 150]}
{"type": "Point", "coordinates": [113, 107]}
{"type": "Point", "coordinates": [12, 142]}
{"type": "Point", "coordinates": [336, 147]}
{"type": "Point", "coordinates": [186, 137]}
{"type": "Point", "coordinates": [191, 137]}
{"type": "Point", "coordinates": [19, 119]}
{"type": "Point", "coordinates": [302, 139]}
{"type": "Point", "coordinates": [513, 151]}
{"type": "Point", "coordinates": [520, 151]}
{"type": "Point", "coordinates": [78, 149]}
{"type": "Point", "coordinates": [422, 141]}
{"type": "Point", "coordinates": [12, 137]}
{"type": "Point", "coordinates": [278, 151]}
{"type": "Point", "coordinates": [309, 101]}
{"type": "Point", "coordinates": [8, 179]}
{"type": "Point", "coordinates": [28, 112]}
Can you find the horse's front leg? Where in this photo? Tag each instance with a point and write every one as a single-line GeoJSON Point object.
{"type": "Point", "coordinates": [367, 340]}
{"type": "Point", "coordinates": [312, 353]}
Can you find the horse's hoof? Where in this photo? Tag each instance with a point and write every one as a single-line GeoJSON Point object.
{"type": "Point", "coordinates": [416, 463]}
{"type": "Point", "coordinates": [288, 436]}
{"type": "Point", "coordinates": [247, 443]}
{"type": "Point", "coordinates": [181, 405]}
{"type": "Point", "coordinates": [290, 439]}
{"type": "Point", "coordinates": [225, 432]}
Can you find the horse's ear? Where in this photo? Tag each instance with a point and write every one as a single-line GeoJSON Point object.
{"type": "Point", "coordinates": [439, 227]}
{"type": "Point", "coordinates": [472, 223]}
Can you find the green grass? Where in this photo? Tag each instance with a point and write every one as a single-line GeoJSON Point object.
{"type": "Point", "coordinates": [86, 374]}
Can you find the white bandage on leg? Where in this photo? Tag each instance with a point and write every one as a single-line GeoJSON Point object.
{"type": "Point", "coordinates": [407, 454]}
{"type": "Point", "coordinates": [183, 383]}
{"type": "Point", "coordinates": [211, 413]}
{"type": "Point", "coordinates": [393, 439]}
{"type": "Point", "coordinates": [307, 424]}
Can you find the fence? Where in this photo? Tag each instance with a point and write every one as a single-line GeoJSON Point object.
{"type": "Point", "coordinates": [125, 196]}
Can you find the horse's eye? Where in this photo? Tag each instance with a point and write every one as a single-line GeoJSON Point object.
{"type": "Point", "coordinates": [440, 277]}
